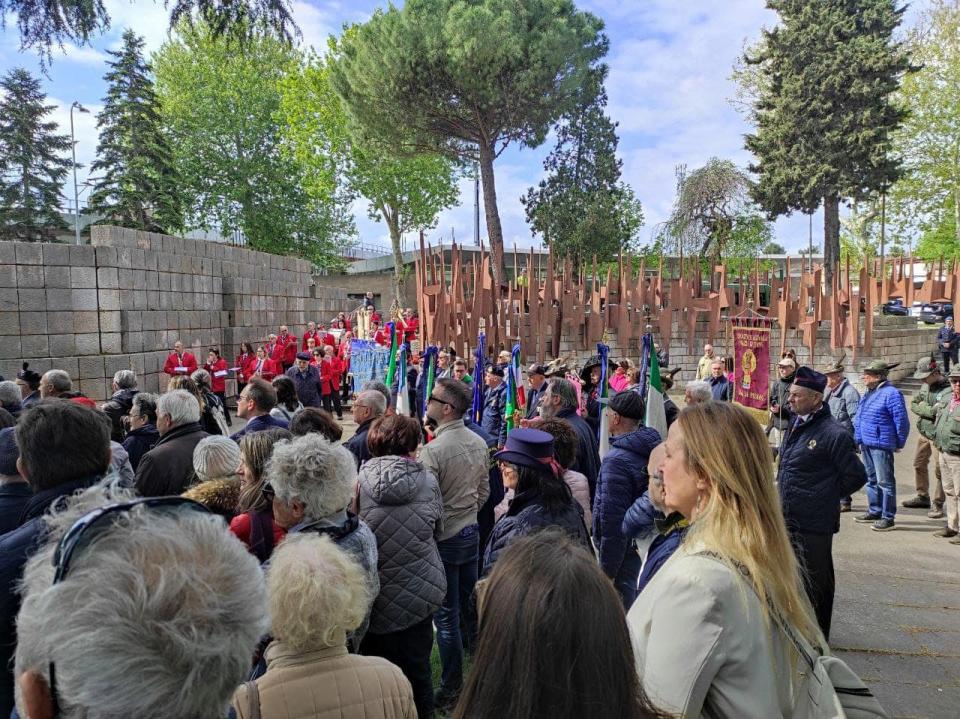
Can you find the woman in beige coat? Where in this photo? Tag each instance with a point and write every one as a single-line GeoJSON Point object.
{"type": "Point", "coordinates": [702, 629]}
{"type": "Point", "coordinates": [316, 595]}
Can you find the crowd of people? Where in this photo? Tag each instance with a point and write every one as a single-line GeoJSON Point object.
{"type": "Point", "coordinates": [154, 564]}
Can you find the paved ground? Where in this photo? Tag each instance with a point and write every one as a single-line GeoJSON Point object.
{"type": "Point", "coordinates": [896, 618]}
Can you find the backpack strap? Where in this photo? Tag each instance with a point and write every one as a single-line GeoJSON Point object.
{"type": "Point", "coordinates": [253, 699]}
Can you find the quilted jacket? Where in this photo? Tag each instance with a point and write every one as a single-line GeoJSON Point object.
{"type": "Point", "coordinates": [882, 421]}
{"type": "Point", "coordinates": [623, 479]}
{"type": "Point", "coordinates": [400, 501]}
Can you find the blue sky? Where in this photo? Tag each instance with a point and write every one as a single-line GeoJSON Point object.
{"type": "Point", "coordinates": [669, 88]}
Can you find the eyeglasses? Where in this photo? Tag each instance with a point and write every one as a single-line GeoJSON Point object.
{"type": "Point", "coordinates": [95, 523]}
{"type": "Point", "coordinates": [434, 398]}
{"type": "Point", "coordinates": [955, 380]}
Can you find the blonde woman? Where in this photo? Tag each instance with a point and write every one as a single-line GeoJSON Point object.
{"type": "Point", "coordinates": [702, 631]}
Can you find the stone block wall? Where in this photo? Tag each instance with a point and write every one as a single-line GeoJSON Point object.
{"type": "Point", "coordinates": [121, 303]}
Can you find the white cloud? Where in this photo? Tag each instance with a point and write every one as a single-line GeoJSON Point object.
{"type": "Point", "coordinates": [316, 24]}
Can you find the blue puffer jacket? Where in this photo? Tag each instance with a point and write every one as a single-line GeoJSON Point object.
{"type": "Point", "coordinates": [527, 515]}
{"type": "Point", "coordinates": [818, 466]}
{"type": "Point", "coordinates": [494, 405]}
{"type": "Point", "coordinates": [882, 421]}
{"type": "Point", "coordinates": [642, 521]}
{"type": "Point", "coordinates": [623, 479]}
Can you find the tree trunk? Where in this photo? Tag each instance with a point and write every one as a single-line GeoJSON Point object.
{"type": "Point", "coordinates": [494, 228]}
{"type": "Point", "coordinates": [390, 217]}
{"type": "Point", "coordinates": [831, 240]}
{"type": "Point", "coordinates": [956, 215]}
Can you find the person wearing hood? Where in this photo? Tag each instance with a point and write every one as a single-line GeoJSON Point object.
{"type": "Point", "coordinates": [623, 480]}
{"type": "Point", "coordinates": [400, 501]}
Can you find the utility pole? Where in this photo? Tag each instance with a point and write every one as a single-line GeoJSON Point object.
{"type": "Point", "coordinates": [73, 149]}
{"type": "Point", "coordinates": [476, 206]}
{"type": "Point", "coordinates": [810, 238]}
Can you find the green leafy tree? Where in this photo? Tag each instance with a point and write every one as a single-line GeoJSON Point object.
{"type": "Point", "coordinates": [220, 102]}
{"type": "Point", "coordinates": [927, 199]}
{"type": "Point", "coordinates": [466, 78]}
{"type": "Point", "coordinates": [941, 239]}
{"type": "Point", "coordinates": [774, 248]}
{"type": "Point", "coordinates": [54, 22]}
{"type": "Point", "coordinates": [406, 194]}
{"type": "Point", "coordinates": [139, 187]}
{"type": "Point", "coordinates": [33, 161]}
{"type": "Point", "coordinates": [826, 109]}
{"type": "Point", "coordinates": [860, 233]}
{"type": "Point", "coordinates": [582, 209]}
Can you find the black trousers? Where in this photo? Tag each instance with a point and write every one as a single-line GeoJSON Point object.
{"type": "Point", "coordinates": [947, 356]}
{"type": "Point", "coordinates": [815, 554]}
{"type": "Point", "coordinates": [334, 399]}
{"type": "Point", "coordinates": [410, 650]}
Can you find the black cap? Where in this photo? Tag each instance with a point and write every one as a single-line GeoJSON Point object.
{"type": "Point", "coordinates": [494, 369]}
{"type": "Point", "coordinates": [536, 369]}
{"type": "Point", "coordinates": [811, 379]}
{"type": "Point", "coordinates": [628, 404]}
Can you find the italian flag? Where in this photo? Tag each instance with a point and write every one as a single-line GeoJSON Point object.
{"type": "Point", "coordinates": [516, 399]}
{"type": "Point", "coordinates": [656, 415]}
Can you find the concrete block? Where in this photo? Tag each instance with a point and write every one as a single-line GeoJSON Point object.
{"type": "Point", "coordinates": [84, 300]}
{"type": "Point", "coordinates": [67, 364]}
{"type": "Point", "coordinates": [8, 253]}
{"type": "Point", "coordinates": [109, 321]}
{"type": "Point", "coordinates": [34, 346]}
{"type": "Point", "coordinates": [90, 368]}
{"type": "Point", "coordinates": [131, 342]}
{"type": "Point", "coordinates": [29, 276]}
{"type": "Point", "coordinates": [88, 344]}
{"type": "Point", "coordinates": [8, 275]}
{"type": "Point", "coordinates": [33, 323]}
{"type": "Point", "coordinates": [29, 253]}
{"type": "Point", "coordinates": [63, 344]}
{"type": "Point", "coordinates": [34, 300]}
{"type": "Point", "coordinates": [131, 321]}
{"type": "Point", "coordinates": [107, 278]}
{"type": "Point", "coordinates": [108, 299]}
{"type": "Point", "coordinates": [59, 300]}
{"type": "Point", "coordinates": [106, 256]}
{"type": "Point", "coordinates": [95, 389]}
{"type": "Point", "coordinates": [83, 256]}
{"type": "Point", "coordinates": [125, 257]}
{"type": "Point", "coordinates": [56, 277]}
{"type": "Point", "coordinates": [83, 277]}
{"type": "Point", "coordinates": [10, 346]}
{"type": "Point", "coordinates": [114, 363]}
{"type": "Point", "coordinates": [9, 299]}
{"type": "Point", "coordinates": [86, 322]}
{"type": "Point", "coordinates": [56, 254]}
{"type": "Point", "coordinates": [110, 343]}
{"type": "Point", "coordinates": [125, 279]}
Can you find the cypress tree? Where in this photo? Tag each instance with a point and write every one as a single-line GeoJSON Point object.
{"type": "Point", "coordinates": [826, 111]}
{"type": "Point", "coordinates": [33, 163]}
{"type": "Point", "coordinates": [138, 187]}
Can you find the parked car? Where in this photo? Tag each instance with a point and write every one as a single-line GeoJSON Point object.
{"type": "Point", "coordinates": [935, 312]}
{"type": "Point", "coordinates": [894, 307]}
{"type": "Point", "coordinates": [915, 309]}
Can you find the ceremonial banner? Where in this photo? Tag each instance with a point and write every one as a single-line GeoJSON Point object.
{"type": "Point", "coordinates": [751, 366]}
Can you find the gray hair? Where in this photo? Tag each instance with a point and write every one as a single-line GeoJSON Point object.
{"type": "Point", "coordinates": [9, 393]}
{"type": "Point", "coordinates": [201, 377]}
{"type": "Point", "coordinates": [564, 389]}
{"type": "Point", "coordinates": [181, 406]}
{"type": "Point", "coordinates": [182, 572]}
{"type": "Point", "coordinates": [125, 379]}
{"type": "Point", "coordinates": [312, 470]}
{"type": "Point", "coordinates": [375, 385]}
{"type": "Point", "coordinates": [700, 390]}
{"type": "Point", "coordinates": [59, 380]}
{"type": "Point", "coordinates": [146, 405]}
{"type": "Point", "coordinates": [373, 399]}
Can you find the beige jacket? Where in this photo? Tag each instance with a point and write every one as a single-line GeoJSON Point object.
{"type": "Point", "coordinates": [703, 366]}
{"type": "Point", "coordinates": [328, 684]}
{"type": "Point", "coordinates": [702, 645]}
{"type": "Point", "coordinates": [461, 463]}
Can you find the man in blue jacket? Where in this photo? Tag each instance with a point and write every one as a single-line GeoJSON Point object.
{"type": "Point", "coordinates": [880, 428]}
{"type": "Point", "coordinates": [494, 405]}
{"type": "Point", "coordinates": [818, 465]}
{"type": "Point", "coordinates": [947, 339]}
{"type": "Point", "coordinates": [623, 479]}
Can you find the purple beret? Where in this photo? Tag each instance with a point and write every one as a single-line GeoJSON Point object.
{"type": "Point", "coordinates": [811, 379]}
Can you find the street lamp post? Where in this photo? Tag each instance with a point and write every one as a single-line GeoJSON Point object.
{"type": "Point", "coordinates": [76, 193]}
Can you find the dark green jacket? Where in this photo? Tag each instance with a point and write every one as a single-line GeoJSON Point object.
{"type": "Point", "coordinates": [924, 405]}
{"type": "Point", "coordinates": [947, 428]}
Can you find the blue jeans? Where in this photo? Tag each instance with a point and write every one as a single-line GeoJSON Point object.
{"type": "Point", "coordinates": [881, 483]}
{"type": "Point", "coordinates": [459, 555]}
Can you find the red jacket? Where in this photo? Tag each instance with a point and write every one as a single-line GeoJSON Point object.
{"type": "Point", "coordinates": [325, 338]}
{"type": "Point", "coordinates": [289, 349]}
{"type": "Point", "coordinates": [188, 361]}
{"type": "Point", "coordinates": [269, 369]}
{"type": "Point", "coordinates": [308, 335]}
{"type": "Point", "coordinates": [217, 383]}
{"type": "Point", "coordinates": [382, 337]}
{"type": "Point", "coordinates": [343, 353]}
{"type": "Point", "coordinates": [410, 329]}
{"type": "Point", "coordinates": [330, 370]}
{"type": "Point", "coordinates": [244, 360]}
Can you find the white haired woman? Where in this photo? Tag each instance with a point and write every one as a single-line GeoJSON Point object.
{"type": "Point", "coordinates": [313, 481]}
{"type": "Point", "coordinates": [316, 594]}
{"type": "Point", "coordinates": [215, 461]}
{"type": "Point", "coordinates": [703, 630]}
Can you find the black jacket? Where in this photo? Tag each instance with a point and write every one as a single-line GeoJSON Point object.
{"type": "Point", "coordinates": [587, 462]}
{"type": "Point", "coordinates": [168, 467]}
{"type": "Point", "coordinates": [116, 407]}
{"type": "Point", "coordinates": [13, 498]}
{"type": "Point", "coordinates": [357, 444]}
{"type": "Point", "coordinates": [140, 441]}
{"type": "Point", "coordinates": [779, 393]}
{"type": "Point", "coordinates": [818, 466]}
